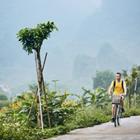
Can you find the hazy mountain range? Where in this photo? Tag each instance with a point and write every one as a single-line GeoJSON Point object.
{"type": "Point", "coordinates": [93, 35]}
{"type": "Point", "coordinates": [85, 67]}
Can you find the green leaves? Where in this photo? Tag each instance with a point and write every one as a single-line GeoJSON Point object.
{"type": "Point", "coordinates": [3, 100]}
{"type": "Point", "coordinates": [103, 79]}
{"type": "Point", "coordinates": [32, 38]}
{"type": "Point", "coordinates": [98, 97]}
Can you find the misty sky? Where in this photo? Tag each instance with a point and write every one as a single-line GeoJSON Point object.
{"type": "Point", "coordinates": [84, 27]}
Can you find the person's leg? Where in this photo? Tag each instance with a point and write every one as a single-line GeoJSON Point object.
{"type": "Point", "coordinates": [113, 112]}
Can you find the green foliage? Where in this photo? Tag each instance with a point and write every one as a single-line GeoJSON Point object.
{"type": "Point", "coordinates": [32, 38]}
{"type": "Point", "coordinates": [3, 100]}
{"type": "Point", "coordinates": [133, 85]}
{"type": "Point", "coordinates": [102, 98]}
{"type": "Point", "coordinates": [18, 120]}
{"type": "Point", "coordinates": [98, 97]}
{"type": "Point", "coordinates": [4, 103]}
{"type": "Point", "coordinates": [3, 97]}
{"type": "Point", "coordinates": [60, 107]}
{"type": "Point", "coordinates": [103, 79]}
{"type": "Point", "coordinates": [132, 112]}
{"type": "Point", "coordinates": [24, 109]}
{"type": "Point", "coordinates": [85, 117]}
{"type": "Point", "coordinates": [10, 131]}
{"type": "Point", "coordinates": [88, 116]}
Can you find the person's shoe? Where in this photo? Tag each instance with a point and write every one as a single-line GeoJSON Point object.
{"type": "Point", "coordinates": [113, 120]}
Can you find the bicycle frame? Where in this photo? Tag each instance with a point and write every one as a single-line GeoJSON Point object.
{"type": "Point", "coordinates": [118, 114]}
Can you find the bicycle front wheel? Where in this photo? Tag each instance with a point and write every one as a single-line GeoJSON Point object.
{"type": "Point", "coordinates": [116, 115]}
{"type": "Point", "coordinates": [119, 114]}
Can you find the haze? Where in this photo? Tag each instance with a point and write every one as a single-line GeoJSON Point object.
{"type": "Point", "coordinates": [93, 35]}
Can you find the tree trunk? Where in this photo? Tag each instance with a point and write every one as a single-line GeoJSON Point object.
{"type": "Point", "coordinates": [39, 93]}
{"type": "Point", "coordinates": [47, 109]}
{"type": "Point", "coordinates": [44, 91]}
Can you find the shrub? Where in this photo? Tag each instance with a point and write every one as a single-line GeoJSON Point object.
{"type": "Point", "coordinates": [88, 116]}
{"type": "Point", "coordinates": [132, 112]}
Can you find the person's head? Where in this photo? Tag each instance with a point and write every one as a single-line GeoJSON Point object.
{"type": "Point", "coordinates": [118, 76]}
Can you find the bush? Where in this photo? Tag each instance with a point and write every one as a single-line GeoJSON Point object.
{"type": "Point", "coordinates": [132, 112]}
{"type": "Point", "coordinates": [91, 109]}
{"type": "Point", "coordinates": [88, 116]}
{"type": "Point", "coordinates": [11, 132]}
{"type": "Point", "coordinates": [84, 117]}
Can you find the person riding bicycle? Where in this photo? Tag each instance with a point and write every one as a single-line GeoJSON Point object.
{"type": "Point", "coordinates": [117, 89]}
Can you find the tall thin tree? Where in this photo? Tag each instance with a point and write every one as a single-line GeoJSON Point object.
{"type": "Point", "coordinates": [32, 40]}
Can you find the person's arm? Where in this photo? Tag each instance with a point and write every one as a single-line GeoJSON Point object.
{"type": "Point", "coordinates": [110, 88]}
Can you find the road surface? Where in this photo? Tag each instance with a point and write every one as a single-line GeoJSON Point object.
{"type": "Point", "coordinates": [129, 130]}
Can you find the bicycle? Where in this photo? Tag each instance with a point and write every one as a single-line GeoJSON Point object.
{"type": "Point", "coordinates": [118, 111]}
{"type": "Point", "coordinates": [118, 114]}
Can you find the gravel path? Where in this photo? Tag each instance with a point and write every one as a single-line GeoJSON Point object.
{"type": "Point", "coordinates": [129, 130]}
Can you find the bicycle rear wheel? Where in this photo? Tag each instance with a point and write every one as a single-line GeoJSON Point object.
{"type": "Point", "coordinates": [115, 124]}
{"type": "Point", "coordinates": [118, 121]}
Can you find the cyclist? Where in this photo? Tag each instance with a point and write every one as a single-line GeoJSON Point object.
{"type": "Point", "coordinates": [117, 89]}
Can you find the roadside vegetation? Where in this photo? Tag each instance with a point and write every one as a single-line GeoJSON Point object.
{"type": "Point", "coordinates": [41, 113]}
{"type": "Point", "coordinates": [67, 111]}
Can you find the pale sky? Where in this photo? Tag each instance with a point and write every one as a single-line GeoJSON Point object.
{"type": "Point", "coordinates": [84, 26]}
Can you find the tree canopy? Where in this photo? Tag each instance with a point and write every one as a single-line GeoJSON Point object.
{"type": "Point", "coordinates": [103, 79]}
{"type": "Point", "coordinates": [32, 38]}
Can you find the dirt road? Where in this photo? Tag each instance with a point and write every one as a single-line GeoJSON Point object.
{"type": "Point", "coordinates": [129, 130]}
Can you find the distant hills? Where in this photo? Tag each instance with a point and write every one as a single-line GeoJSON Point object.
{"type": "Point", "coordinates": [107, 59]}
{"type": "Point", "coordinates": [84, 66]}
{"type": "Point", "coordinates": [3, 90]}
